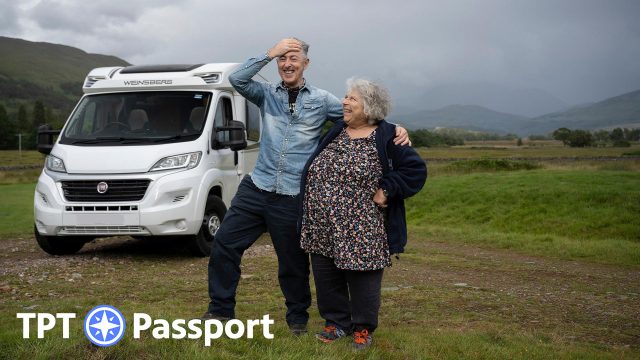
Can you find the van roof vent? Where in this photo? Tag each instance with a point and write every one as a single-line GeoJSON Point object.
{"type": "Point", "coordinates": [140, 69]}
{"type": "Point", "coordinates": [113, 72]}
{"type": "Point", "coordinates": [210, 78]}
{"type": "Point", "coordinates": [92, 80]}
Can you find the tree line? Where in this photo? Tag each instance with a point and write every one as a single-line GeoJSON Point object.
{"type": "Point", "coordinates": [617, 137]}
{"type": "Point", "coordinates": [451, 137]}
{"type": "Point", "coordinates": [25, 121]}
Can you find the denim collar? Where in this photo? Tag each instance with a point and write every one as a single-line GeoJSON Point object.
{"type": "Point", "coordinates": [284, 87]}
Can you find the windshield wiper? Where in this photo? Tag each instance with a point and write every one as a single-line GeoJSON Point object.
{"type": "Point", "coordinates": [100, 140]}
{"type": "Point", "coordinates": [175, 137]}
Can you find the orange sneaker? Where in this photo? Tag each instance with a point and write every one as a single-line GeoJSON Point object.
{"type": "Point", "coordinates": [330, 334]}
{"type": "Point", "coordinates": [361, 339]}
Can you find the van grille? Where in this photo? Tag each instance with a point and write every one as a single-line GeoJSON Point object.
{"type": "Point", "coordinates": [101, 208]}
{"type": "Point", "coordinates": [117, 190]}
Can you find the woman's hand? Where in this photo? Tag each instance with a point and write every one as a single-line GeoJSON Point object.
{"type": "Point", "coordinates": [380, 199]}
{"type": "Point", "coordinates": [402, 137]}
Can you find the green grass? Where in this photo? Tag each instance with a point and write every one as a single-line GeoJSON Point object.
{"type": "Point", "coordinates": [587, 213]}
{"type": "Point", "coordinates": [426, 319]}
{"type": "Point", "coordinates": [505, 233]}
{"type": "Point", "coordinates": [14, 177]}
{"type": "Point", "coordinates": [483, 165]}
{"type": "Point", "coordinates": [544, 151]}
{"type": "Point", "coordinates": [13, 158]}
{"type": "Point", "coordinates": [16, 209]}
{"type": "Point", "coordinates": [17, 158]}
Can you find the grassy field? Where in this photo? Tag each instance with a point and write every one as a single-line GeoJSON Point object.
{"type": "Point", "coordinates": [520, 264]}
{"type": "Point", "coordinates": [534, 149]}
{"type": "Point", "coordinates": [572, 214]}
{"type": "Point", "coordinates": [17, 158]}
{"type": "Point", "coordinates": [31, 160]}
{"type": "Point", "coordinates": [16, 209]}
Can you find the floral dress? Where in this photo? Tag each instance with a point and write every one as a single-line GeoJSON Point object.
{"type": "Point", "coordinates": [340, 219]}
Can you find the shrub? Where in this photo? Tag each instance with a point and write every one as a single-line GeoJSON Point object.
{"type": "Point", "coordinates": [621, 143]}
{"type": "Point", "coordinates": [491, 165]}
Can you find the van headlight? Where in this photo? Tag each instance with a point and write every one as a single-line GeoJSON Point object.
{"type": "Point", "coordinates": [54, 163]}
{"type": "Point", "coordinates": [182, 161]}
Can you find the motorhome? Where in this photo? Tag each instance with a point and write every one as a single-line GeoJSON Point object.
{"type": "Point", "coordinates": [148, 151]}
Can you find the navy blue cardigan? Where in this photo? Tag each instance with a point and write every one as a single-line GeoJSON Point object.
{"type": "Point", "coordinates": [403, 175]}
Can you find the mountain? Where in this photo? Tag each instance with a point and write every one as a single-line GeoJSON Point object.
{"type": "Point", "coordinates": [619, 111]}
{"type": "Point", "coordinates": [524, 102]}
{"type": "Point", "coordinates": [51, 73]}
{"type": "Point", "coordinates": [470, 117]}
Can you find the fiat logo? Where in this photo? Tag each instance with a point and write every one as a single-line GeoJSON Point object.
{"type": "Point", "coordinates": [102, 187]}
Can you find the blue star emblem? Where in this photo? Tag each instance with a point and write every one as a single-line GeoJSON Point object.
{"type": "Point", "coordinates": [104, 325]}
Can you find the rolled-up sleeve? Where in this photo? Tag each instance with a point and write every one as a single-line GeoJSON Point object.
{"type": "Point", "coordinates": [242, 79]}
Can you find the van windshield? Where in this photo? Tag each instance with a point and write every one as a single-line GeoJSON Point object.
{"type": "Point", "coordinates": [137, 118]}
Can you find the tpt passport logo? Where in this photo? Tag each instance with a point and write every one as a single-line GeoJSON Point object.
{"type": "Point", "coordinates": [104, 325]}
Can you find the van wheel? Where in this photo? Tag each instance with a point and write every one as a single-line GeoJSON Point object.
{"type": "Point", "coordinates": [60, 245]}
{"type": "Point", "coordinates": [200, 244]}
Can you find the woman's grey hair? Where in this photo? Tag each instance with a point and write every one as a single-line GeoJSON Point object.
{"type": "Point", "coordinates": [375, 98]}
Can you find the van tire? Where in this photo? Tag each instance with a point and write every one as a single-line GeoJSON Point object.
{"type": "Point", "coordinates": [60, 245]}
{"type": "Point", "coordinates": [214, 211]}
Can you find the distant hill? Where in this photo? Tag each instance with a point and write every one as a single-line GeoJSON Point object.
{"type": "Point", "coordinates": [51, 73]}
{"type": "Point", "coordinates": [523, 102]}
{"type": "Point", "coordinates": [470, 117]}
{"type": "Point", "coordinates": [619, 111]}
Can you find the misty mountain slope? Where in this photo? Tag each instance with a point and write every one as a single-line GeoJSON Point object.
{"type": "Point", "coordinates": [471, 117]}
{"type": "Point", "coordinates": [618, 111]}
{"type": "Point", "coordinates": [523, 102]}
{"type": "Point", "coordinates": [47, 72]}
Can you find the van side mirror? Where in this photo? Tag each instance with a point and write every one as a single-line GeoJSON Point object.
{"type": "Point", "coordinates": [233, 137]}
{"type": "Point", "coordinates": [46, 138]}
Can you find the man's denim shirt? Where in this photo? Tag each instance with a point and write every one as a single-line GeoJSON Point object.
{"type": "Point", "coordinates": [287, 140]}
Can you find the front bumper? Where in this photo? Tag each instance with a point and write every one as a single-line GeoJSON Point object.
{"type": "Point", "coordinates": [169, 207]}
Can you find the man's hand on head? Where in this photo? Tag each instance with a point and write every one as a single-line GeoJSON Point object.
{"type": "Point", "coordinates": [283, 47]}
{"type": "Point", "coordinates": [402, 137]}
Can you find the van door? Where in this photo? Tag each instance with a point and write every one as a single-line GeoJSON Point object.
{"type": "Point", "coordinates": [226, 159]}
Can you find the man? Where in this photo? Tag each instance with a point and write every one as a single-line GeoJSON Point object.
{"type": "Point", "coordinates": [293, 115]}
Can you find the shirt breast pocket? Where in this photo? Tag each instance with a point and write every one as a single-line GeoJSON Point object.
{"type": "Point", "coordinates": [311, 108]}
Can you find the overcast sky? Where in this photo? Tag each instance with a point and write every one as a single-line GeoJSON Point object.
{"type": "Point", "coordinates": [577, 50]}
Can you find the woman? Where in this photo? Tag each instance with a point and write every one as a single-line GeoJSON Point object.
{"type": "Point", "coordinates": [353, 188]}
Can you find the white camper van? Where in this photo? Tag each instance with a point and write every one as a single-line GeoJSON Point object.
{"type": "Point", "coordinates": [148, 151]}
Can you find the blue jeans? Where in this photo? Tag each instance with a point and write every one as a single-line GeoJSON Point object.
{"type": "Point", "coordinates": [252, 212]}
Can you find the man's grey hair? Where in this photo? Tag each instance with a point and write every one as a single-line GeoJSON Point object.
{"type": "Point", "coordinates": [375, 98]}
{"type": "Point", "coordinates": [305, 46]}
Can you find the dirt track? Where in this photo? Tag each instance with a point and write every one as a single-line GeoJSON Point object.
{"type": "Point", "coordinates": [581, 301]}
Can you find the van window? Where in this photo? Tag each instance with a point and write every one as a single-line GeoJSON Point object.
{"type": "Point", "coordinates": [152, 117]}
{"type": "Point", "coordinates": [253, 122]}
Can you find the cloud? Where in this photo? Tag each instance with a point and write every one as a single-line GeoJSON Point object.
{"type": "Point", "coordinates": [578, 50]}
{"type": "Point", "coordinates": [90, 16]}
{"type": "Point", "coordinates": [8, 16]}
